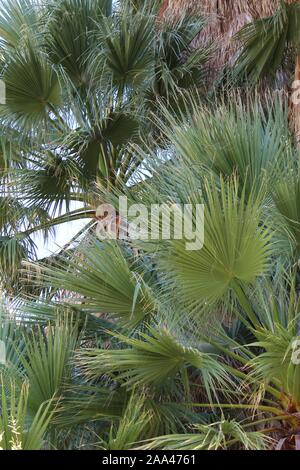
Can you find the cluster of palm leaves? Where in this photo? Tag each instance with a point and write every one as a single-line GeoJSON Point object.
{"type": "Point", "coordinates": [142, 344]}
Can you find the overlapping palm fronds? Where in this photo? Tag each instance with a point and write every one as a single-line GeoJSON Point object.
{"type": "Point", "coordinates": [144, 343]}
{"type": "Point", "coordinates": [82, 79]}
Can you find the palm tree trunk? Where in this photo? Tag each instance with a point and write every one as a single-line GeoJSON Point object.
{"type": "Point", "coordinates": [294, 102]}
{"type": "Point", "coordinates": [226, 17]}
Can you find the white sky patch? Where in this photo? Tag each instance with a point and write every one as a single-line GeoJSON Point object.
{"type": "Point", "coordinates": [63, 235]}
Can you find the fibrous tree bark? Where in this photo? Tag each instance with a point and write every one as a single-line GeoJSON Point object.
{"type": "Point", "coordinates": [225, 18]}
{"type": "Point", "coordinates": [295, 96]}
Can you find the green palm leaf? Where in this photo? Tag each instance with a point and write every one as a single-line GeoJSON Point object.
{"type": "Point", "coordinates": [265, 42]}
{"type": "Point", "coordinates": [70, 34]}
{"type": "Point", "coordinates": [246, 140]}
{"type": "Point", "coordinates": [154, 358]}
{"type": "Point", "coordinates": [47, 361]}
{"type": "Point", "coordinates": [16, 18]}
{"type": "Point", "coordinates": [131, 427]}
{"type": "Point", "coordinates": [106, 279]}
{"type": "Point", "coordinates": [32, 87]}
{"type": "Point", "coordinates": [127, 49]}
{"type": "Point", "coordinates": [217, 436]}
{"type": "Point", "coordinates": [236, 248]}
{"type": "Point", "coordinates": [17, 430]}
{"type": "Point", "coordinates": [286, 196]}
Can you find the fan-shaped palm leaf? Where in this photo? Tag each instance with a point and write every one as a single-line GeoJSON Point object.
{"type": "Point", "coordinates": [32, 87]}
{"type": "Point", "coordinates": [236, 248]}
{"type": "Point", "coordinates": [153, 359]}
{"type": "Point", "coordinates": [106, 279]}
{"type": "Point", "coordinates": [265, 42]}
{"type": "Point", "coordinates": [47, 359]}
{"type": "Point", "coordinates": [246, 140]}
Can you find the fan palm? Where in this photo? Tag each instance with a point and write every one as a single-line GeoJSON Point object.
{"type": "Point", "coordinates": [247, 386]}
{"type": "Point", "coordinates": [82, 79]}
{"type": "Point", "coordinates": [144, 344]}
{"type": "Point", "coordinates": [206, 380]}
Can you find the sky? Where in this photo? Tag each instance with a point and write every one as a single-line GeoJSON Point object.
{"type": "Point", "coordinates": [63, 234]}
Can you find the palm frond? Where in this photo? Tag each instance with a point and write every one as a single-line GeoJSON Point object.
{"type": "Point", "coordinates": [17, 432]}
{"type": "Point", "coordinates": [107, 281]}
{"type": "Point", "coordinates": [154, 359]}
{"type": "Point", "coordinates": [217, 436]}
{"type": "Point", "coordinates": [32, 87]}
{"type": "Point", "coordinates": [265, 42]}
{"type": "Point", "coordinates": [46, 361]}
{"type": "Point", "coordinates": [236, 248]}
